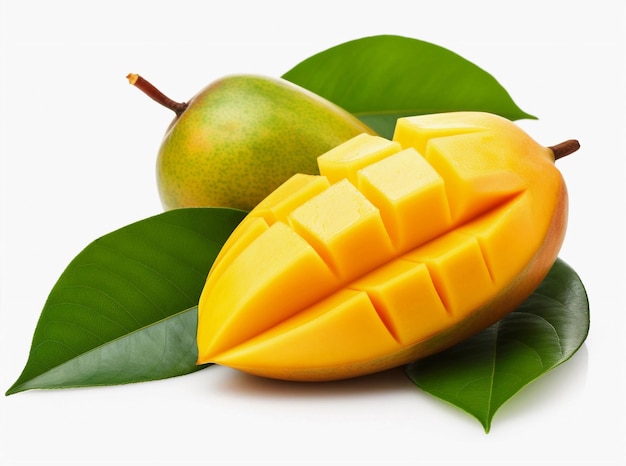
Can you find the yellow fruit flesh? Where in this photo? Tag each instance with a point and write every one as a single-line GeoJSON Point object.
{"type": "Point", "coordinates": [397, 250]}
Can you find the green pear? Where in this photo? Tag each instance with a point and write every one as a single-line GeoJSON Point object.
{"type": "Point", "coordinates": [241, 137]}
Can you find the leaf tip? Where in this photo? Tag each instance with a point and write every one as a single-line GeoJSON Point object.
{"type": "Point", "coordinates": [12, 390]}
{"type": "Point", "coordinates": [486, 426]}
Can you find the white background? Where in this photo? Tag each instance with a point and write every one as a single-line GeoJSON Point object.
{"type": "Point", "coordinates": [77, 162]}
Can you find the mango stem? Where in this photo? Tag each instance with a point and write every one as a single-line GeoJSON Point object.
{"type": "Point", "coordinates": [156, 95]}
{"type": "Point", "coordinates": [565, 148]}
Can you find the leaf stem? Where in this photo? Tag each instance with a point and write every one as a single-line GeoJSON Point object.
{"type": "Point", "coordinates": [155, 94]}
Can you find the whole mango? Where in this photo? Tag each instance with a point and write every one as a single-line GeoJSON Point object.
{"type": "Point", "coordinates": [399, 249]}
{"type": "Point", "coordinates": [240, 137]}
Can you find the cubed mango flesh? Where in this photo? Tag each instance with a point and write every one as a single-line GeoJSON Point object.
{"type": "Point", "coordinates": [397, 250]}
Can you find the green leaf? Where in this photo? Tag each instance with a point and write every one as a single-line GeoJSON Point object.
{"type": "Point", "coordinates": [480, 374]}
{"type": "Point", "coordinates": [381, 78]}
{"type": "Point", "coordinates": [124, 309]}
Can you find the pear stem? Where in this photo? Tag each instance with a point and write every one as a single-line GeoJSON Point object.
{"type": "Point", "coordinates": [565, 148]}
{"type": "Point", "coordinates": [147, 88]}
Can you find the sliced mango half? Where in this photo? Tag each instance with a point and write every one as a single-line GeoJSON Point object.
{"type": "Point", "coordinates": [397, 250]}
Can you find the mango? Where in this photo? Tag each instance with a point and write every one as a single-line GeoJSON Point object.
{"type": "Point", "coordinates": [240, 137]}
{"type": "Point", "coordinates": [399, 249]}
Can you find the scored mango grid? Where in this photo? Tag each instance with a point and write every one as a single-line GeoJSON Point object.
{"type": "Point", "coordinates": [440, 296]}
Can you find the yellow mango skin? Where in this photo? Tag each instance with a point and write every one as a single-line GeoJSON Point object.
{"type": "Point", "coordinates": [397, 250]}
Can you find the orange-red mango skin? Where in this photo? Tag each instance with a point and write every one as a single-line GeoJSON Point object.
{"type": "Point", "coordinates": [358, 270]}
